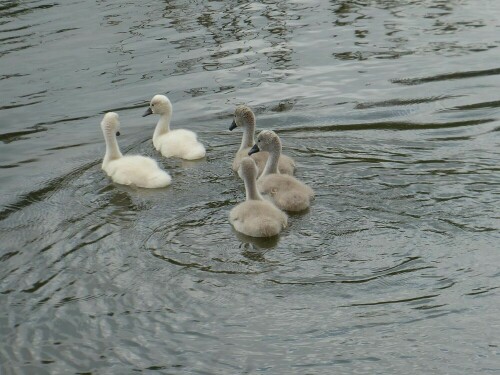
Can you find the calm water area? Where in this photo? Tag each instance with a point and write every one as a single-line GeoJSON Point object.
{"type": "Point", "coordinates": [391, 109]}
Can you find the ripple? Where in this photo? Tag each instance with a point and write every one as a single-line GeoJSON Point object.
{"type": "Point", "coordinates": [20, 135]}
{"type": "Point", "coordinates": [448, 76]}
{"type": "Point", "coordinates": [403, 267]}
{"type": "Point", "coordinates": [402, 102]}
{"type": "Point", "coordinates": [421, 299]}
{"type": "Point", "coordinates": [7, 10]}
{"type": "Point", "coordinates": [190, 242]}
{"type": "Point", "coordinates": [404, 227]}
{"type": "Point", "coordinates": [476, 106]}
{"type": "Point", "coordinates": [388, 125]}
{"type": "Point", "coordinates": [42, 193]}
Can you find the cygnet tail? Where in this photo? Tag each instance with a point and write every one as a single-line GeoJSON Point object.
{"type": "Point", "coordinates": [259, 227]}
{"type": "Point", "coordinates": [196, 152]}
{"type": "Point", "coordinates": [293, 201]}
{"type": "Point", "coordinates": [159, 179]}
{"type": "Point", "coordinates": [286, 165]}
{"type": "Point", "coordinates": [270, 228]}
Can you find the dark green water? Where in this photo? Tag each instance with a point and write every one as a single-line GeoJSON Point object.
{"type": "Point", "coordinates": [391, 110]}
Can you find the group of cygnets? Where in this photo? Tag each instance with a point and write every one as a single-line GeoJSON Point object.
{"type": "Point", "coordinates": [266, 172]}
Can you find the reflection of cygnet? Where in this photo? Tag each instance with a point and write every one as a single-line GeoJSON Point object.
{"type": "Point", "coordinates": [286, 191]}
{"type": "Point", "coordinates": [245, 119]}
{"type": "Point", "coordinates": [255, 217]}
{"type": "Point", "coordinates": [135, 170]}
{"type": "Point", "coordinates": [180, 143]}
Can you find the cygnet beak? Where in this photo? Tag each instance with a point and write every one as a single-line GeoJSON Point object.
{"type": "Point", "coordinates": [117, 133]}
{"type": "Point", "coordinates": [148, 112]}
{"type": "Point", "coordinates": [233, 125]}
{"type": "Point", "coordinates": [253, 150]}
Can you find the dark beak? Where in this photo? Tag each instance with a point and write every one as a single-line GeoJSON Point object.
{"type": "Point", "coordinates": [117, 133]}
{"type": "Point", "coordinates": [148, 112]}
{"type": "Point", "coordinates": [253, 150]}
{"type": "Point", "coordinates": [233, 125]}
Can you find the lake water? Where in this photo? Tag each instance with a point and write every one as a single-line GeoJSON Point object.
{"type": "Point", "coordinates": [391, 110]}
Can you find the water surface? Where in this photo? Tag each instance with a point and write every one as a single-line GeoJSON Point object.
{"type": "Point", "coordinates": [391, 110]}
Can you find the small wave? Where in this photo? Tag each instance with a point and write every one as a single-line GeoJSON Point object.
{"type": "Point", "coordinates": [387, 125]}
{"type": "Point", "coordinates": [447, 77]}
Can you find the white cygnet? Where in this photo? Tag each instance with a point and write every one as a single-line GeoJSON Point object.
{"type": "Point", "coordinates": [244, 118]}
{"type": "Point", "coordinates": [133, 170]}
{"type": "Point", "coordinates": [287, 192]}
{"type": "Point", "coordinates": [180, 143]}
{"type": "Point", "coordinates": [256, 217]}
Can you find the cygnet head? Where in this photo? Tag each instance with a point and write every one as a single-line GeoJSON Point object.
{"type": "Point", "coordinates": [248, 169]}
{"type": "Point", "coordinates": [267, 140]}
{"type": "Point", "coordinates": [111, 123]}
{"type": "Point", "coordinates": [243, 116]}
{"type": "Point", "coordinates": [159, 105]}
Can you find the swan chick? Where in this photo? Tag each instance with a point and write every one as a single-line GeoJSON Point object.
{"type": "Point", "coordinates": [256, 217]}
{"type": "Point", "coordinates": [287, 192]}
{"type": "Point", "coordinates": [244, 118]}
{"type": "Point", "coordinates": [181, 143]}
{"type": "Point", "coordinates": [135, 170]}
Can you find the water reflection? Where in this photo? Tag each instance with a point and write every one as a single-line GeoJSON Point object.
{"type": "Point", "coordinates": [390, 109]}
{"type": "Point", "coordinates": [230, 31]}
{"type": "Point", "coordinates": [253, 245]}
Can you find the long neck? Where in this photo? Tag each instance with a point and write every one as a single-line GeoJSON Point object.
{"type": "Point", "coordinates": [248, 131]}
{"type": "Point", "coordinates": [112, 148]}
{"type": "Point", "coordinates": [251, 189]}
{"type": "Point", "coordinates": [272, 161]}
{"type": "Point", "coordinates": [163, 125]}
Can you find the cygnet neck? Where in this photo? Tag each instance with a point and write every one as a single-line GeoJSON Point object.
{"type": "Point", "coordinates": [248, 133]}
{"type": "Point", "coordinates": [251, 188]}
{"type": "Point", "coordinates": [163, 125]}
{"type": "Point", "coordinates": [272, 161]}
{"type": "Point", "coordinates": [112, 148]}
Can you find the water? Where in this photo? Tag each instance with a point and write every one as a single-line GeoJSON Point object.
{"type": "Point", "coordinates": [391, 110]}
